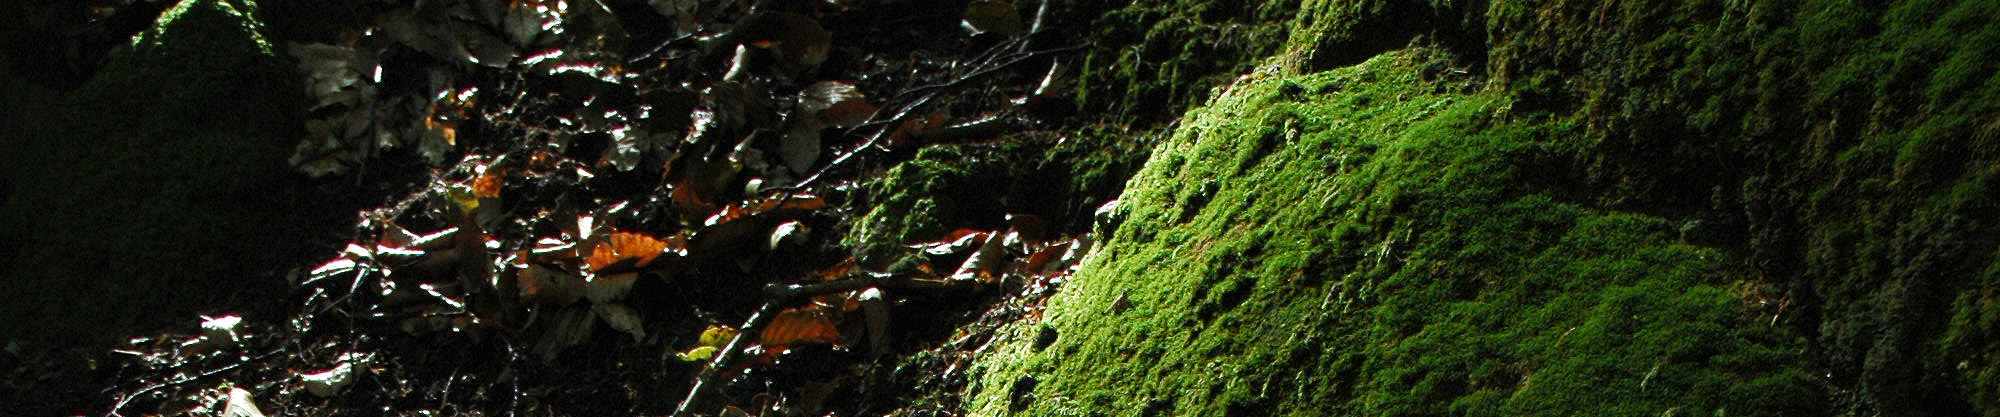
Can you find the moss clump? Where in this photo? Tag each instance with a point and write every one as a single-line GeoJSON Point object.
{"type": "Point", "coordinates": [1373, 246]}
{"type": "Point", "coordinates": [1148, 60]}
{"type": "Point", "coordinates": [156, 183]}
{"type": "Point", "coordinates": [1789, 207]}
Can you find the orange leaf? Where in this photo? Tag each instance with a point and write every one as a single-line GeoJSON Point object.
{"type": "Point", "coordinates": [796, 325]}
{"type": "Point", "coordinates": [488, 184]}
{"type": "Point", "coordinates": [632, 249]}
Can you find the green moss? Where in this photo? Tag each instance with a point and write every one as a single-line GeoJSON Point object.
{"type": "Point", "coordinates": [1652, 207]}
{"type": "Point", "coordinates": [159, 172]}
{"type": "Point", "coordinates": [1375, 247]}
{"type": "Point", "coordinates": [1148, 60]}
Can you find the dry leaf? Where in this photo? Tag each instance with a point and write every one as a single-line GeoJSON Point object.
{"type": "Point", "coordinates": [631, 249]}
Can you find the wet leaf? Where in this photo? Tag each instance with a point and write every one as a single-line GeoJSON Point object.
{"type": "Point", "coordinates": [674, 8]}
{"type": "Point", "coordinates": [542, 285]}
{"type": "Point", "coordinates": [992, 16]}
{"type": "Point", "coordinates": [800, 43]}
{"type": "Point", "coordinates": [240, 404]}
{"type": "Point", "coordinates": [622, 318]}
{"type": "Point", "coordinates": [328, 382]}
{"type": "Point", "coordinates": [567, 327]}
{"type": "Point", "coordinates": [984, 265]}
{"type": "Point", "coordinates": [713, 340]}
{"type": "Point", "coordinates": [876, 309]}
{"type": "Point", "coordinates": [625, 249]}
{"type": "Point", "coordinates": [799, 326]}
{"type": "Point", "coordinates": [957, 241]}
{"type": "Point", "coordinates": [698, 353]}
{"type": "Point", "coordinates": [487, 184]}
{"type": "Point", "coordinates": [791, 231]}
{"type": "Point", "coordinates": [800, 147]}
{"type": "Point", "coordinates": [221, 330]}
{"type": "Point", "coordinates": [627, 148]}
{"type": "Point", "coordinates": [836, 103]}
{"type": "Point", "coordinates": [761, 206]}
{"type": "Point", "coordinates": [717, 335]}
{"type": "Point", "coordinates": [606, 288]}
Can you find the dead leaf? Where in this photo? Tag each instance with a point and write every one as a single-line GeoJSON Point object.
{"type": "Point", "coordinates": [240, 404]}
{"type": "Point", "coordinates": [606, 288]}
{"type": "Point", "coordinates": [632, 249]}
{"type": "Point", "coordinates": [542, 285]}
{"type": "Point", "coordinates": [984, 264]}
{"type": "Point", "coordinates": [487, 185]}
{"type": "Point", "coordinates": [622, 318]}
{"type": "Point", "coordinates": [799, 326]}
{"type": "Point", "coordinates": [876, 309]}
{"type": "Point", "coordinates": [800, 147]}
{"type": "Point", "coordinates": [836, 103]}
{"type": "Point", "coordinates": [992, 16]}
{"type": "Point", "coordinates": [329, 382]}
{"type": "Point", "coordinates": [799, 41]}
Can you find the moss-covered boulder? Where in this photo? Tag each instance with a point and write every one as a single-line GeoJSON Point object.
{"type": "Point", "coordinates": [1358, 242]}
{"type": "Point", "coordinates": [1626, 208]}
{"type": "Point", "coordinates": [159, 183]}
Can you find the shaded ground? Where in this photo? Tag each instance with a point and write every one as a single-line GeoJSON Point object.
{"type": "Point", "coordinates": [1381, 208]}
{"type": "Point", "coordinates": [655, 123]}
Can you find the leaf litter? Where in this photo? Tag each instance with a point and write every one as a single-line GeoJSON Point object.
{"type": "Point", "coordinates": [664, 172]}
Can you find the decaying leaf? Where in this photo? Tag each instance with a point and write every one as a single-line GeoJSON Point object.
{"type": "Point", "coordinates": [836, 104]}
{"type": "Point", "coordinates": [798, 40]}
{"type": "Point", "coordinates": [791, 231]}
{"type": "Point", "coordinates": [605, 288]}
{"type": "Point", "coordinates": [240, 404]}
{"type": "Point", "coordinates": [800, 147]}
{"type": "Point", "coordinates": [221, 329]}
{"type": "Point", "coordinates": [760, 206]}
{"type": "Point", "coordinates": [985, 264]}
{"type": "Point", "coordinates": [799, 326]}
{"type": "Point", "coordinates": [487, 185]}
{"type": "Point", "coordinates": [621, 317]}
{"type": "Point", "coordinates": [329, 382]}
{"type": "Point", "coordinates": [625, 249]}
{"type": "Point", "coordinates": [992, 16]}
{"type": "Point", "coordinates": [541, 285]}
{"type": "Point", "coordinates": [876, 309]}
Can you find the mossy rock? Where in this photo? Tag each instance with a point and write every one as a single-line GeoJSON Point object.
{"type": "Point", "coordinates": [159, 184]}
{"type": "Point", "coordinates": [1363, 241]}
{"type": "Point", "coordinates": [1781, 207]}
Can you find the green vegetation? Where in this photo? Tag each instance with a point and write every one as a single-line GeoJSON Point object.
{"type": "Point", "coordinates": [1376, 248]}
{"type": "Point", "coordinates": [1683, 208]}
{"type": "Point", "coordinates": [1149, 59]}
{"type": "Point", "coordinates": [170, 151]}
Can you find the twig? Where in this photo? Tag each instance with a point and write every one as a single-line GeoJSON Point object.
{"type": "Point", "coordinates": [928, 92]}
{"type": "Point", "coordinates": [127, 398]}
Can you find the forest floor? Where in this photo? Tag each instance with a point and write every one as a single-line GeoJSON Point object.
{"type": "Point", "coordinates": [632, 208]}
